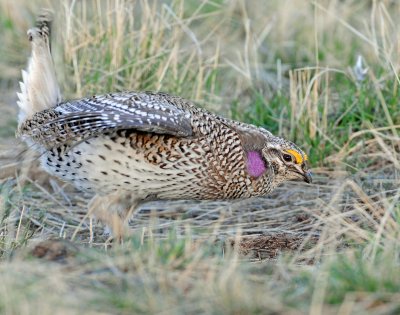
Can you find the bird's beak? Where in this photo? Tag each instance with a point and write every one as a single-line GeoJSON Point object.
{"type": "Point", "coordinates": [307, 177]}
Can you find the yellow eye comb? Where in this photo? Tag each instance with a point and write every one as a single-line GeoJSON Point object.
{"type": "Point", "coordinates": [298, 157]}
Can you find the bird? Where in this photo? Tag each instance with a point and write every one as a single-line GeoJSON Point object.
{"type": "Point", "coordinates": [131, 147]}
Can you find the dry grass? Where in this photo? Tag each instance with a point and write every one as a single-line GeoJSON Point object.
{"type": "Point", "coordinates": [330, 247]}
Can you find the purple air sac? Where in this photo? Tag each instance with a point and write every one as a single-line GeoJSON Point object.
{"type": "Point", "coordinates": [255, 164]}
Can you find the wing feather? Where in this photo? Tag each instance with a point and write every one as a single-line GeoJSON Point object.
{"type": "Point", "coordinates": [78, 120]}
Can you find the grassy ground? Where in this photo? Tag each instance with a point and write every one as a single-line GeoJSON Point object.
{"type": "Point", "coordinates": [327, 248]}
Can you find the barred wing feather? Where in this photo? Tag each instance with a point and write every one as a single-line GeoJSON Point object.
{"type": "Point", "coordinates": [81, 119]}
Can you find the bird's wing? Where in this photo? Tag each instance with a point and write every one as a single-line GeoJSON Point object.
{"type": "Point", "coordinates": [84, 118]}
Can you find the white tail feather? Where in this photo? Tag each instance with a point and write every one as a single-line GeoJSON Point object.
{"type": "Point", "coordinates": [39, 88]}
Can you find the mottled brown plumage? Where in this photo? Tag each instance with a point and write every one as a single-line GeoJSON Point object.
{"type": "Point", "coordinates": [134, 146]}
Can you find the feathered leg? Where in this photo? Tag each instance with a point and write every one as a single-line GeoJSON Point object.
{"type": "Point", "coordinates": [39, 88]}
{"type": "Point", "coordinates": [114, 210]}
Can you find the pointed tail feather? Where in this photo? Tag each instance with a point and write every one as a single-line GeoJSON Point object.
{"type": "Point", "coordinates": [39, 86]}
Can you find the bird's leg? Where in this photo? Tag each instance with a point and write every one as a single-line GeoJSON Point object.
{"type": "Point", "coordinates": [114, 210]}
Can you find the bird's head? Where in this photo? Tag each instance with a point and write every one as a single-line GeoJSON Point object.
{"type": "Point", "coordinates": [288, 161]}
{"type": "Point", "coordinates": [280, 158]}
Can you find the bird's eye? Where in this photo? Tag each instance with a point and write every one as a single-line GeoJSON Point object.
{"type": "Point", "coordinates": [287, 157]}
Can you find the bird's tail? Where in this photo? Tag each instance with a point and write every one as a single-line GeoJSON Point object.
{"type": "Point", "coordinates": [39, 86]}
